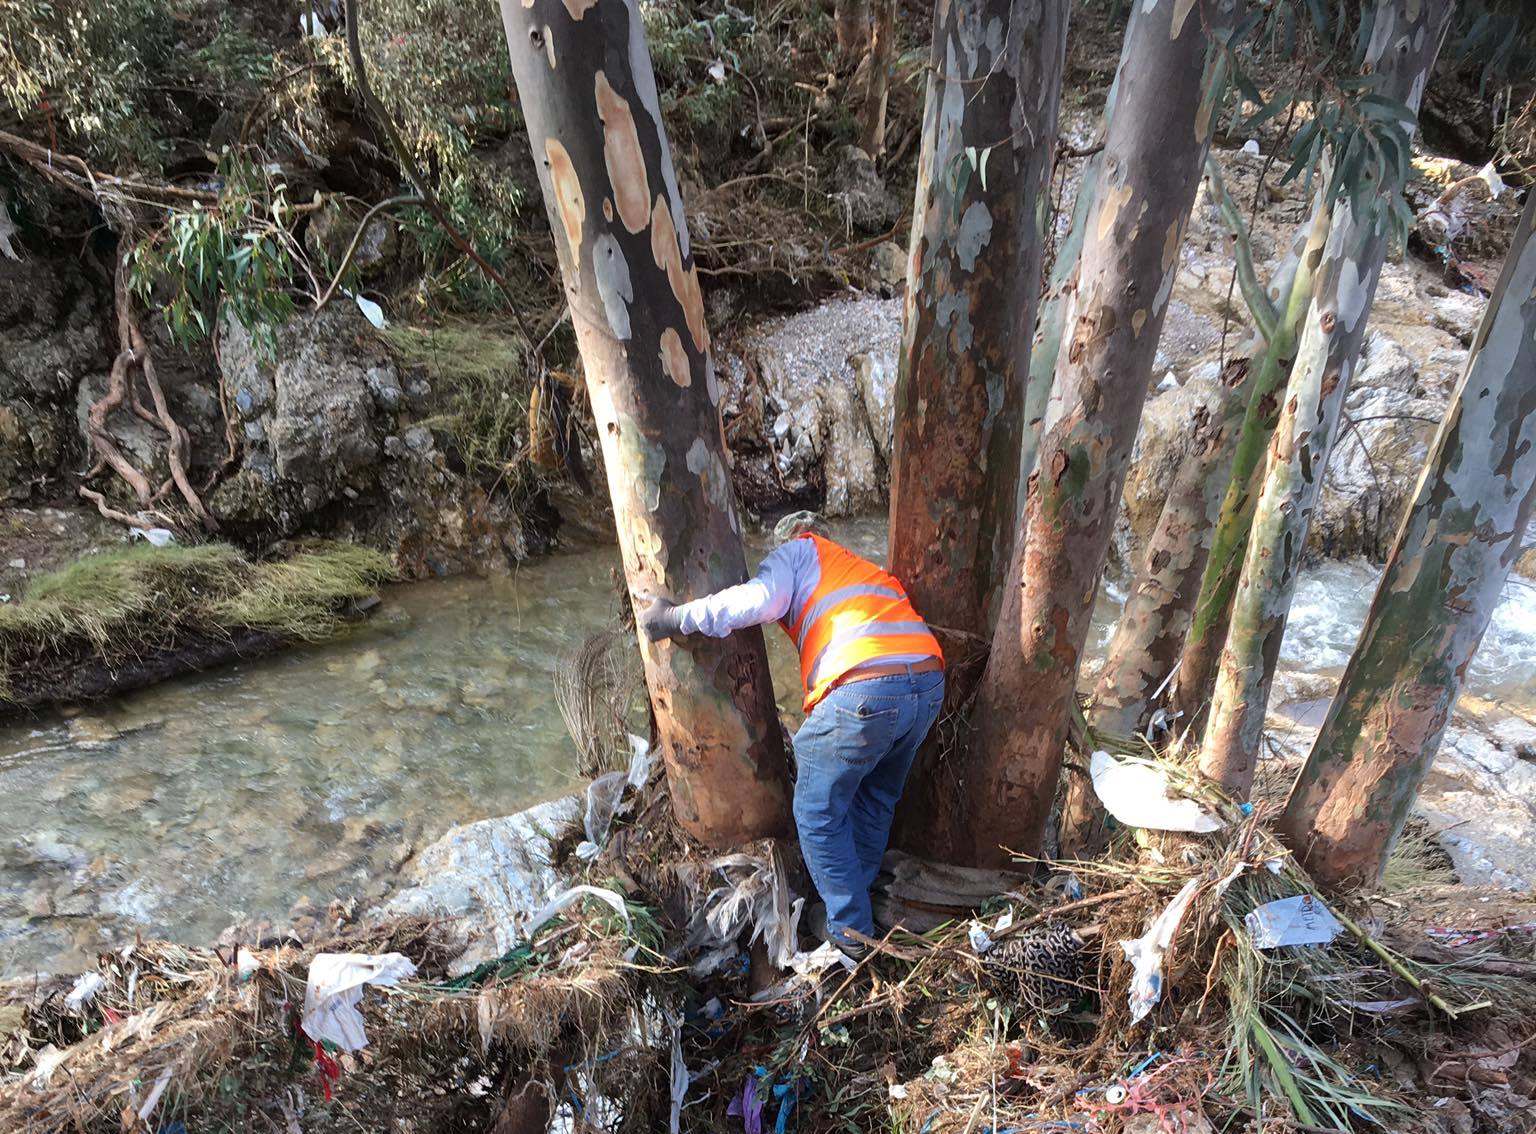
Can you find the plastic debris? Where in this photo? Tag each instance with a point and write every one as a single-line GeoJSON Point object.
{"type": "Point", "coordinates": [1454, 938]}
{"type": "Point", "coordinates": [156, 537]}
{"type": "Point", "coordinates": [1140, 795]}
{"type": "Point", "coordinates": [568, 897]}
{"type": "Point", "coordinates": [981, 940]}
{"type": "Point", "coordinates": [84, 991]}
{"type": "Point", "coordinates": [606, 793]}
{"type": "Point", "coordinates": [1251, 147]}
{"type": "Point", "coordinates": [748, 1106]}
{"type": "Point", "coordinates": [1147, 951]}
{"type": "Point", "coordinates": [756, 894]}
{"type": "Point", "coordinates": [8, 229]}
{"type": "Point", "coordinates": [371, 310]}
{"type": "Point", "coordinates": [1298, 920]}
{"type": "Point", "coordinates": [334, 988]}
{"type": "Point", "coordinates": [680, 1076]}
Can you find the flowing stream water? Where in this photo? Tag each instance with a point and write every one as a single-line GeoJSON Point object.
{"type": "Point", "coordinates": [314, 773]}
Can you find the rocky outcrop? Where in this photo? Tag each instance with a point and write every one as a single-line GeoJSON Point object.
{"type": "Point", "coordinates": [51, 336]}
{"type": "Point", "coordinates": [809, 403]}
{"type": "Point", "coordinates": [335, 437]}
{"type": "Point", "coordinates": [489, 876]}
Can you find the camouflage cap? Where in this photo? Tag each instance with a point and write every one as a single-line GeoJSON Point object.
{"type": "Point", "coordinates": [797, 524]}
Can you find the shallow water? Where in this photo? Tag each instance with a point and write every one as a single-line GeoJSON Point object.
{"type": "Point", "coordinates": [228, 796]}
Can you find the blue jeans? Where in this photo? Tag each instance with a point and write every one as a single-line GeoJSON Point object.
{"type": "Point", "coordinates": [852, 756]}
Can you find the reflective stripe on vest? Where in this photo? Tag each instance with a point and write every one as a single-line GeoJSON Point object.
{"type": "Point", "coordinates": [857, 613]}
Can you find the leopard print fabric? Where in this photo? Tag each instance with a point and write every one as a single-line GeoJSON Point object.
{"type": "Point", "coordinates": [1041, 968]}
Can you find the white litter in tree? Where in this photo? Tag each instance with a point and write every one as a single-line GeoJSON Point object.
{"type": "Point", "coordinates": [8, 229]}
{"type": "Point", "coordinates": [1140, 795]}
{"type": "Point", "coordinates": [84, 991]}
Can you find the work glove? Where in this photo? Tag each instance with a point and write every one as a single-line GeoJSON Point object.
{"type": "Point", "coordinates": [659, 620]}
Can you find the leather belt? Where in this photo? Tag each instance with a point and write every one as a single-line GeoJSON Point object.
{"type": "Point", "coordinates": [896, 669]}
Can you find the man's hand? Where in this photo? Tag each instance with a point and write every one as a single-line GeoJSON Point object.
{"type": "Point", "coordinates": [659, 620]}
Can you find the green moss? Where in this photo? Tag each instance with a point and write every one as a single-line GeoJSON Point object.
{"type": "Point", "coordinates": [135, 600]}
{"type": "Point", "coordinates": [480, 385]}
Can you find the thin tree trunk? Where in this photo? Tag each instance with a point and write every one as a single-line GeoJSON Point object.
{"type": "Point", "coordinates": [1151, 632]}
{"type": "Point", "coordinates": [1450, 562]}
{"type": "Point", "coordinates": [1151, 170]}
{"type": "Point", "coordinates": [589, 97]}
{"type": "Point", "coordinates": [1152, 628]}
{"type": "Point", "coordinates": [1403, 48]}
{"type": "Point", "coordinates": [877, 76]}
{"type": "Point", "coordinates": [1055, 305]}
{"type": "Point", "coordinates": [851, 18]}
{"type": "Point", "coordinates": [1271, 370]}
{"type": "Point", "coordinates": [989, 135]}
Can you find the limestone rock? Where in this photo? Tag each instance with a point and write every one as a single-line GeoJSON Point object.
{"type": "Point", "coordinates": [51, 334]}
{"type": "Point", "coordinates": [1373, 471]}
{"type": "Point", "coordinates": [857, 186]}
{"type": "Point", "coordinates": [809, 405]}
{"type": "Point", "coordinates": [491, 874]}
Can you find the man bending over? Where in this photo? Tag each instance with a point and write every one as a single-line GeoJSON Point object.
{"type": "Point", "coordinates": [874, 683]}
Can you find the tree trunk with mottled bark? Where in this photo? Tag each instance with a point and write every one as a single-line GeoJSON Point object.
{"type": "Point", "coordinates": [1152, 629]}
{"type": "Point", "coordinates": [1223, 564]}
{"type": "Point", "coordinates": [1055, 305]}
{"type": "Point", "coordinates": [1404, 43]}
{"type": "Point", "coordinates": [851, 19]}
{"type": "Point", "coordinates": [877, 76]}
{"type": "Point", "coordinates": [1151, 632]}
{"type": "Point", "coordinates": [589, 97]}
{"type": "Point", "coordinates": [973, 282]}
{"type": "Point", "coordinates": [1443, 579]}
{"type": "Point", "coordinates": [1151, 169]}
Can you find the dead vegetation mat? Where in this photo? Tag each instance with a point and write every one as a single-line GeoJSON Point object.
{"type": "Point", "coordinates": [183, 1039]}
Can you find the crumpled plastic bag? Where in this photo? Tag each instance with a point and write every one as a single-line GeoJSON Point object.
{"type": "Point", "coordinates": [1146, 953]}
{"type": "Point", "coordinates": [1140, 795]}
{"type": "Point", "coordinates": [334, 988]}
{"type": "Point", "coordinates": [1298, 920]}
{"type": "Point", "coordinates": [606, 793]}
{"type": "Point", "coordinates": [756, 895]}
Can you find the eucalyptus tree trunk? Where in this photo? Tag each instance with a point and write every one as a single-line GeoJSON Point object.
{"type": "Point", "coordinates": [1151, 632]}
{"type": "Point", "coordinates": [1055, 305]}
{"type": "Point", "coordinates": [589, 97]}
{"type": "Point", "coordinates": [1151, 170]}
{"type": "Point", "coordinates": [973, 283]}
{"type": "Point", "coordinates": [877, 76]}
{"type": "Point", "coordinates": [1450, 561]}
{"type": "Point", "coordinates": [851, 19]}
{"type": "Point", "coordinates": [1159, 608]}
{"type": "Point", "coordinates": [1404, 42]}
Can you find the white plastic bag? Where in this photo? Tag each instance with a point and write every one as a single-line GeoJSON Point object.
{"type": "Point", "coordinates": [1139, 795]}
{"type": "Point", "coordinates": [1147, 951]}
{"type": "Point", "coordinates": [335, 986]}
{"type": "Point", "coordinates": [1298, 920]}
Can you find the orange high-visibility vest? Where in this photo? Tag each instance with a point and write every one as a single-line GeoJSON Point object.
{"type": "Point", "coordinates": [856, 613]}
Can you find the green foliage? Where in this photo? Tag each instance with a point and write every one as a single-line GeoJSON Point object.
{"type": "Point", "coordinates": [113, 78]}
{"type": "Point", "coordinates": [239, 251]}
{"type": "Point", "coordinates": [480, 379]}
{"type": "Point", "coordinates": [441, 69]}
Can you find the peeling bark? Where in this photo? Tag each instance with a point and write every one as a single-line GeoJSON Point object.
{"type": "Point", "coordinates": [1442, 581]}
{"type": "Point", "coordinates": [1295, 281]}
{"type": "Point", "coordinates": [1151, 169]}
{"type": "Point", "coordinates": [1404, 43]}
{"type": "Point", "coordinates": [589, 96]}
{"type": "Point", "coordinates": [1056, 303]}
{"type": "Point", "coordinates": [973, 282]}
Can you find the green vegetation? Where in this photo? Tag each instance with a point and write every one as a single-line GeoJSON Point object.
{"type": "Point", "coordinates": [128, 603]}
{"type": "Point", "coordinates": [480, 375]}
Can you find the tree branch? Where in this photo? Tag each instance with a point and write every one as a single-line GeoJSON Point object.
{"type": "Point", "coordinates": [1259, 304]}
{"type": "Point", "coordinates": [413, 172]}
